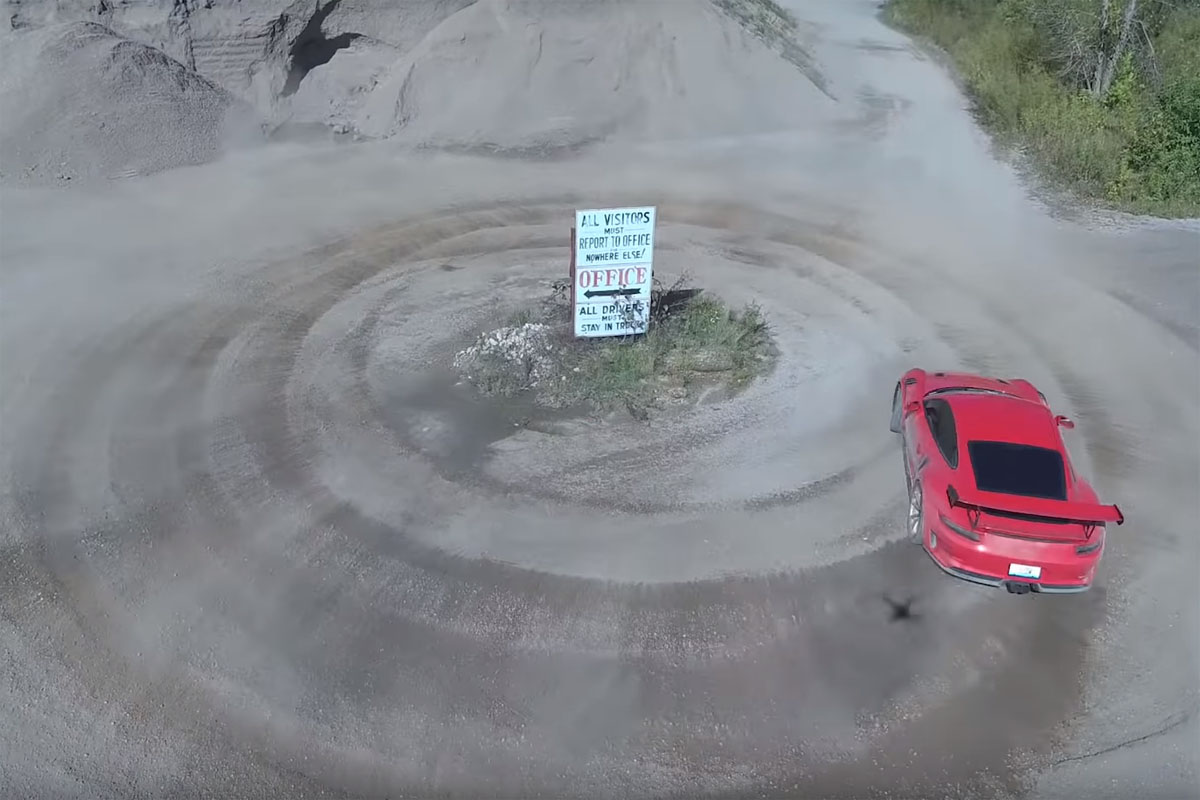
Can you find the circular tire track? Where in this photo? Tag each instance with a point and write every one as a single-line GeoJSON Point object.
{"type": "Point", "coordinates": [373, 582]}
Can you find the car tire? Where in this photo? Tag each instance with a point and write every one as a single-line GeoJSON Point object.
{"type": "Point", "coordinates": [894, 426]}
{"type": "Point", "coordinates": [916, 513]}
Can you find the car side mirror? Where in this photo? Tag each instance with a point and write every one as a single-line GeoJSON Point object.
{"type": "Point", "coordinates": [1064, 422]}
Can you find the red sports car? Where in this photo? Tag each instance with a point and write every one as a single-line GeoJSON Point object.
{"type": "Point", "coordinates": [993, 496]}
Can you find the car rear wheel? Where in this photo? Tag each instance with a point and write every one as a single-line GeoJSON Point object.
{"type": "Point", "coordinates": [916, 513]}
{"type": "Point", "coordinates": [895, 423]}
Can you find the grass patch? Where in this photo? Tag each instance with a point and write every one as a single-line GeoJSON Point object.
{"type": "Point", "coordinates": [519, 318]}
{"type": "Point", "coordinates": [706, 336]}
{"type": "Point", "coordinates": [704, 343]}
{"type": "Point", "coordinates": [1135, 147]}
{"type": "Point", "coordinates": [693, 343]}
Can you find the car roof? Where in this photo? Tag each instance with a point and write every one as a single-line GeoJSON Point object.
{"type": "Point", "coordinates": [1001, 418]}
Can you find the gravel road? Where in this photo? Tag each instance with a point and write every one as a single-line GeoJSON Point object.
{"type": "Point", "coordinates": [254, 542]}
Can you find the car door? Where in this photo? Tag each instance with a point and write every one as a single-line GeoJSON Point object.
{"type": "Point", "coordinates": [917, 439]}
{"type": "Point", "coordinates": [928, 430]}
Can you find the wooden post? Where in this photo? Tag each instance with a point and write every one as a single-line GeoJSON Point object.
{"type": "Point", "coordinates": [572, 272]}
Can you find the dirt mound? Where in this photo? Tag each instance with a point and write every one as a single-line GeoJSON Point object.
{"type": "Point", "coordinates": [523, 75]}
{"type": "Point", "coordinates": [78, 101]}
{"type": "Point", "coordinates": [514, 74]}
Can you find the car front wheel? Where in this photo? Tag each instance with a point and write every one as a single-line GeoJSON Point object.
{"type": "Point", "coordinates": [916, 514]}
{"type": "Point", "coordinates": [894, 425]}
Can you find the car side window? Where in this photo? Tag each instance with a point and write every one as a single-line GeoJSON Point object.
{"type": "Point", "coordinates": [941, 424]}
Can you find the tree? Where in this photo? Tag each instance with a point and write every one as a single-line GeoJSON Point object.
{"type": "Point", "coordinates": [1086, 40]}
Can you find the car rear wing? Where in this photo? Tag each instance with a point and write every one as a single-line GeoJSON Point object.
{"type": "Point", "coordinates": [1089, 515]}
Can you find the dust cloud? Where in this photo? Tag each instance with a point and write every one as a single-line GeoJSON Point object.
{"type": "Point", "coordinates": [257, 543]}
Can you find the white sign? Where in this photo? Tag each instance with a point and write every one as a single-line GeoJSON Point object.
{"type": "Point", "coordinates": [614, 270]}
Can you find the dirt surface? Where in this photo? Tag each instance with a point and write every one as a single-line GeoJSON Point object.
{"type": "Point", "coordinates": [255, 542]}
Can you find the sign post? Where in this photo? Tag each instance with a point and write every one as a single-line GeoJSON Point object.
{"type": "Point", "coordinates": [612, 271]}
{"type": "Point", "coordinates": [572, 269]}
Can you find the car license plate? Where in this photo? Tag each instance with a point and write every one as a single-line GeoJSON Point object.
{"type": "Point", "coordinates": [1024, 571]}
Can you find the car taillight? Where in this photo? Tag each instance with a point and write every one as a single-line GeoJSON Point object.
{"type": "Point", "coordinates": [972, 535]}
{"type": "Point", "coordinates": [1084, 549]}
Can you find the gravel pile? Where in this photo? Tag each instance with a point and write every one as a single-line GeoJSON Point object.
{"type": "Point", "coordinates": [78, 102]}
{"type": "Point", "coordinates": [509, 359]}
{"type": "Point", "coordinates": [136, 87]}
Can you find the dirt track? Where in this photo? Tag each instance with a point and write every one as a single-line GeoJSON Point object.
{"type": "Point", "coordinates": [254, 544]}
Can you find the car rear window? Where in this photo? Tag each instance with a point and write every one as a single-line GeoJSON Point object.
{"type": "Point", "coordinates": [1021, 469]}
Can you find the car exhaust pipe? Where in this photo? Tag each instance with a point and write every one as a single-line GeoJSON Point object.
{"type": "Point", "coordinates": [1016, 587]}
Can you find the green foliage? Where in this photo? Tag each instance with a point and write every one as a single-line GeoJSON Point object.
{"type": "Point", "coordinates": [704, 337]}
{"type": "Point", "coordinates": [1137, 147]}
{"type": "Point", "coordinates": [1161, 164]}
{"type": "Point", "coordinates": [615, 372]}
{"type": "Point", "coordinates": [1178, 42]}
{"type": "Point", "coordinates": [707, 329]}
{"type": "Point", "coordinates": [519, 318]}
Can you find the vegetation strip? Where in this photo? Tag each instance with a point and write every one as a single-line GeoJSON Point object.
{"type": "Point", "coordinates": [695, 341]}
{"type": "Point", "coordinates": [1102, 95]}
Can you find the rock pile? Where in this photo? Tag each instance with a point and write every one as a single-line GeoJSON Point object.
{"type": "Point", "coordinates": [509, 359]}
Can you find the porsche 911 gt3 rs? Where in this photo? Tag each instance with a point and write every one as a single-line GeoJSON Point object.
{"type": "Point", "coordinates": [993, 495]}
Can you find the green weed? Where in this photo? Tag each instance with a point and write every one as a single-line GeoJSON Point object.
{"type": "Point", "coordinates": [703, 338]}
